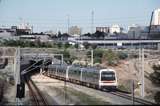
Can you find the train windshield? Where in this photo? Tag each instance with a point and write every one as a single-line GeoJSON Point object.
{"type": "Point", "coordinates": [107, 76]}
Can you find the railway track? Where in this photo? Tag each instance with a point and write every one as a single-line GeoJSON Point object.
{"type": "Point", "coordinates": [116, 92]}
{"type": "Point", "coordinates": [135, 99]}
{"type": "Point", "coordinates": [37, 97]}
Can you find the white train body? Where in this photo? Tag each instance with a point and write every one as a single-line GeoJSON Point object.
{"type": "Point", "coordinates": [96, 76]}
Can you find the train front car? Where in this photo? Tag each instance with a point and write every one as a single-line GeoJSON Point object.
{"type": "Point", "coordinates": [108, 79]}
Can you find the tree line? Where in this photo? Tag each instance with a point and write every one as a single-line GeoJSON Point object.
{"type": "Point", "coordinates": [155, 78]}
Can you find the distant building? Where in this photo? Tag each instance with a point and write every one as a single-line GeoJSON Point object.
{"type": "Point", "coordinates": [103, 29]}
{"type": "Point", "coordinates": [138, 32]}
{"type": "Point", "coordinates": [50, 32]}
{"type": "Point", "coordinates": [14, 27]}
{"type": "Point", "coordinates": [154, 32]}
{"type": "Point", "coordinates": [115, 29]}
{"type": "Point", "coordinates": [42, 38]}
{"type": "Point", "coordinates": [156, 19]}
{"type": "Point", "coordinates": [134, 32]}
{"type": "Point", "coordinates": [155, 28]}
{"type": "Point", "coordinates": [142, 32]}
{"type": "Point", "coordinates": [74, 30]}
{"type": "Point", "coordinates": [8, 33]}
{"type": "Point", "coordinates": [24, 29]}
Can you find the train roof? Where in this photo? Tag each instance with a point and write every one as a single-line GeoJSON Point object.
{"type": "Point", "coordinates": [108, 69]}
{"type": "Point", "coordinates": [88, 68]}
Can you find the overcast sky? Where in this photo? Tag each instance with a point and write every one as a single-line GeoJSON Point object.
{"type": "Point", "coordinates": [52, 14]}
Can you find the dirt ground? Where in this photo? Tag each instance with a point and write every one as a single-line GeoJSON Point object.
{"type": "Point", "coordinates": [58, 93]}
{"type": "Point", "coordinates": [126, 72]}
{"type": "Point", "coordinates": [61, 93]}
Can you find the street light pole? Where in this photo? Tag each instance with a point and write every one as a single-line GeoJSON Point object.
{"type": "Point", "coordinates": [92, 57]}
{"type": "Point", "coordinates": [142, 80]}
{"type": "Point", "coordinates": [18, 77]}
{"type": "Point", "coordinates": [141, 71]}
{"type": "Point", "coordinates": [133, 92]}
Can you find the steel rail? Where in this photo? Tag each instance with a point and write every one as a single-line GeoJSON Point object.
{"type": "Point", "coordinates": [36, 94]}
{"type": "Point", "coordinates": [117, 92]}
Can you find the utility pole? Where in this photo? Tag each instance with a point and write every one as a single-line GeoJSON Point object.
{"type": "Point", "coordinates": [139, 63]}
{"type": "Point", "coordinates": [92, 57]}
{"type": "Point", "coordinates": [19, 87]}
{"type": "Point", "coordinates": [133, 91]}
{"type": "Point", "coordinates": [65, 85]}
{"type": "Point", "coordinates": [92, 21]}
{"type": "Point", "coordinates": [142, 89]}
{"type": "Point", "coordinates": [141, 73]}
{"type": "Point", "coordinates": [62, 59]}
{"type": "Point", "coordinates": [68, 22]}
{"type": "Point", "coordinates": [42, 69]}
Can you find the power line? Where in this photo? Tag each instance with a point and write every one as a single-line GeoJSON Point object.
{"type": "Point", "coordinates": [97, 22]}
{"type": "Point", "coordinates": [80, 19]}
{"type": "Point", "coordinates": [92, 21]}
{"type": "Point", "coordinates": [83, 24]}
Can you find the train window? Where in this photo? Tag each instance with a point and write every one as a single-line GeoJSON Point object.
{"type": "Point", "coordinates": [79, 72]}
{"type": "Point", "coordinates": [107, 76]}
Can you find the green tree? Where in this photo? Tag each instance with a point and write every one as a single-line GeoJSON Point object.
{"type": "Point", "coordinates": [59, 34]}
{"type": "Point", "coordinates": [76, 46]}
{"type": "Point", "coordinates": [38, 42]}
{"type": "Point", "coordinates": [86, 45]}
{"type": "Point", "coordinates": [97, 54]}
{"type": "Point", "coordinates": [111, 57]}
{"type": "Point", "coordinates": [67, 45]}
{"type": "Point", "coordinates": [157, 97]}
{"type": "Point", "coordinates": [59, 45]}
{"type": "Point", "coordinates": [122, 55]}
{"type": "Point", "coordinates": [32, 44]}
{"type": "Point", "coordinates": [155, 78]}
{"type": "Point", "coordinates": [66, 56]}
{"type": "Point", "coordinates": [93, 46]}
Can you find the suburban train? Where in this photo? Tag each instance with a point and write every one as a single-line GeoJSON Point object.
{"type": "Point", "coordinates": [90, 76]}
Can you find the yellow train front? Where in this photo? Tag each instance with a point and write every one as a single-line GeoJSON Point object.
{"type": "Point", "coordinates": [89, 76]}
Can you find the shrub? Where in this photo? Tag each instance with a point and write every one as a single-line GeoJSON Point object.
{"type": "Point", "coordinates": [76, 46]}
{"type": "Point", "coordinates": [86, 45]}
{"type": "Point", "coordinates": [122, 55]}
{"type": "Point", "coordinates": [59, 45]}
{"type": "Point", "coordinates": [157, 97]}
{"type": "Point", "coordinates": [66, 45]}
{"type": "Point", "coordinates": [97, 60]}
{"type": "Point", "coordinates": [123, 88]}
{"type": "Point", "coordinates": [97, 54]}
{"type": "Point", "coordinates": [93, 46]}
{"type": "Point", "coordinates": [111, 57]}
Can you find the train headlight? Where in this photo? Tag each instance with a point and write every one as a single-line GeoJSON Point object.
{"type": "Point", "coordinates": [139, 83]}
